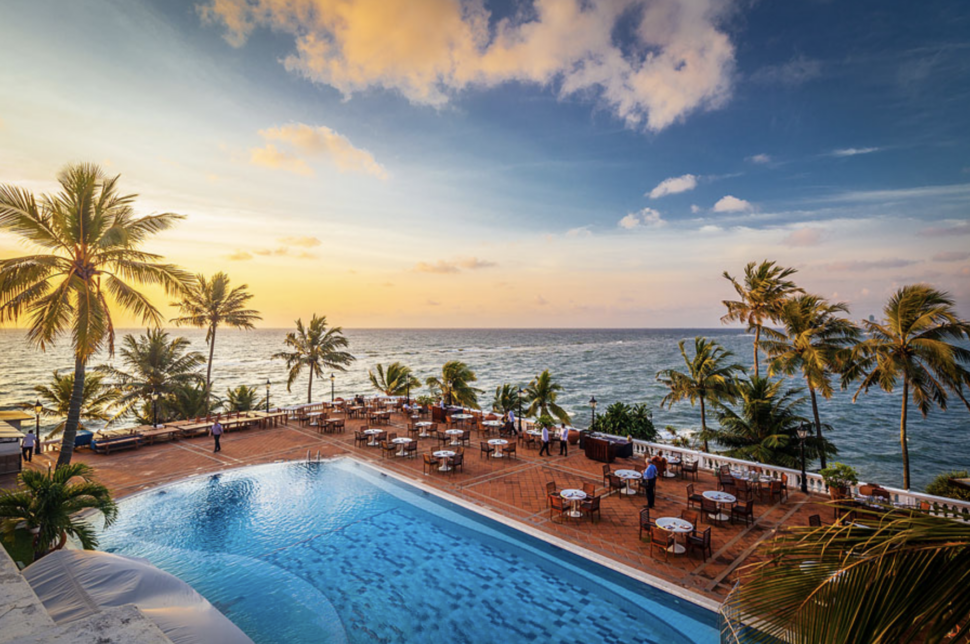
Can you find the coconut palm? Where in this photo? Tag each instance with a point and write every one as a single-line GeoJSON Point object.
{"type": "Point", "coordinates": [764, 427]}
{"type": "Point", "coordinates": [396, 380]}
{"type": "Point", "coordinates": [541, 395]}
{"type": "Point", "coordinates": [455, 384]}
{"type": "Point", "coordinates": [916, 344]}
{"type": "Point", "coordinates": [49, 504]}
{"type": "Point", "coordinates": [96, 399]}
{"type": "Point", "coordinates": [210, 304]}
{"type": "Point", "coordinates": [317, 348]}
{"type": "Point", "coordinates": [506, 398]}
{"type": "Point", "coordinates": [817, 344]}
{"type": "Point", "coordinates": [764, 290]}
{"type": "Point", "coordinates": [191, 400]}
{"type": "Point", "coordinates": [244, 398]}
{"type": "Point", "coordinates": [896, 581]}
{"type": "Point", "coordinates": [90, 240]}
{"type": "Point", "coordinates": [710, 378]}
{"type": "Point", "coordinates": [155, 363]}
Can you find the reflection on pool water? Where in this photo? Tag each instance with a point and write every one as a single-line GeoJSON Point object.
{"type": "Point", "coordinates": [336, 552]}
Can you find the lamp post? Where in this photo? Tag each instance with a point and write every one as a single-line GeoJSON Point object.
{"type": "Point", "coordinates": [408, 401]}
{"type": "Point", "coordinates": [333, 378]}
{"type": "Point", "coordinates": [519, 403]}
{"type": "Point", "coordinates": [592, 405]}
{"type": "Point", "coordinates": [37, 409]}
{"type": "Point", "coordinates": [267, 395]}
{"type": "Point", "coordinates": [803, 433]}
{"type": "Point", "coordinates": [154, 409]}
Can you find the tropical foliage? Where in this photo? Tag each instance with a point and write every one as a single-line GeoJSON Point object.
{"type": "Point", "coordinates": [396, 380]}
{"type": "Point", "coordinates": [454, 385]}
{"type": "Point", "coordinates": [761, 295]}
{"type": "Point", "coordinates": [941, 486]}
{"type": "Point", "coordinates": [764, 426]}
{"type": "Point", "coordinates": [917, 344]}
{"type": "Point", "coordinates": [315, 348]}
{"type": "Point", "coordinates": [817, 344]}
{"type": "Point", "coordinates": [90, 240]}
{"type": "Point", "coordinates": [621, 419]}
{"type": "Point", "coordinates": [96, 400]}
{"type": "Point", "coordinates": [191, 400]}
{"type": "Point", "coordinates": [541, 395]}
{"type": "Point", "coordinates": [709, 378]}
{"type": "Point", "coordinates": [883, 578]}
{"type": "Point", "coordinates": [48, 504]}
{"type": "Point", "coordinates": [506, 399]}
{"type": "Point", "coordinates": [209, 304]}
{"type": "Point", "coordinates": [155, 363]}
{"type": "Point", "coordinates": [244, 398]}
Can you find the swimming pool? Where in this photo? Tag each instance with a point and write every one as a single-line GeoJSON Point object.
{"type": "Point", "coordinates": [338, 552]}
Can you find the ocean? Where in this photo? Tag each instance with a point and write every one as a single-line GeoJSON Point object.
{"type": "Point", "coordinates": [609, 364]}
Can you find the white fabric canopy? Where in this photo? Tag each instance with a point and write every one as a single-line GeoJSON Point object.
{"type": "Point", "coordinates": [74, 584]}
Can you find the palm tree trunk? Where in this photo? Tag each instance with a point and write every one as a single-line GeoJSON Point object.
{"type": "Point", "coordinates": [818, 425]}
{"type": "Point", "coordinates": [73, 415]}
{"type": "Point", "coordinates": [902, 434]}
{"type": "Point", "coordinates": [208, 370]}
{"type": "Point", "coordinates": [309, 389]}
{"type": "Point", "coordinates": [704, 425]}
{"type": "Point", "coordinates": [757, 342]}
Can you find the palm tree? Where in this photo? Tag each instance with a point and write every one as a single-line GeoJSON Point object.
{"type": "Point", "coordinates": [91, 238]}
{"type": "Point", "coordinates": [191, 400]}
{"type": "Point", "coordinates": [96, 399]}
{"type": "Point", "coordinates": [710, 378]}
{"type": "Point", "coordinates": [817, 343]}
{"type": "Point", "coordinates": [765, 288]}
{"type": "Point", "coordinates": [893, 581]}
{"type": "Point", "coordinates": [916, 345]}
{"type": "Point", "coordinates": [244, 398]}
{"type": "Point", "coordinates": [317, 348]}
{"type": "Point", "coordinates": [764, 428]}
{"type": "Point", "coordinates": [506, 398]}
{"type": "Point", "coordinates": [396, 380]}
{"type": "Point", "coordinates": [156, 364]}
{"type": "Point", "coordinates": [211, 303]}
{"type": "Point", "coordinates": [454, 384]}
{"type": "Point", "coordinates": [541, 394]}
{"type": "Point", "coordinates": [49, 504]}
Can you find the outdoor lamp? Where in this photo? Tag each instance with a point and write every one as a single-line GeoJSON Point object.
{"type": "Point", "coordinates": [37, 409]}
{"type": "Point", "coordinates": [333, 379]}
{"type": "Point", "coordinates": [803, 433]}
{"type": "Point", "coordinates": [154, 409]}
{"type": "Point", "coordinates": [592, 404]}
{"type": "Point", "coordinates": [267, 395]}
{"type": "Point", "coordinates": [519, 401]}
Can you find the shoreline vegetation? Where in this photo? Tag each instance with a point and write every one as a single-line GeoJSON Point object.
{"type": "Point", "coordinates": [95, 261]}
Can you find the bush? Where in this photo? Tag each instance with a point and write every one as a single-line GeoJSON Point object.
{"type": "Point", "coordinates": [621, 419]}
{"type": "Point", "coordinates": [941, 486]}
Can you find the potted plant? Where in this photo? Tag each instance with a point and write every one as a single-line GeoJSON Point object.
{"type": "Point", "coordinates": [839, 477]}
{"type": "Point", "coordinates": [545, 420]}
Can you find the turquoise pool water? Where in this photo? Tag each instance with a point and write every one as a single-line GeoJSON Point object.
{"type": "Point", "coordinates": [337, 552]}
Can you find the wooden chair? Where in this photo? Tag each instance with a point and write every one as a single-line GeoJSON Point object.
{"type": "Point", "coordinates": [413, 432]}
{"type": "Point", "coordinates": [700, 542]}
{"type": "Point", "coordinates": [589, 489]}
{"type": "Point", "coordinates": [661, 539]}
{"type": "Point", "coordinates": [443, 440]}
{"type": "Point", "coordinates": [881, 493]}
{"type": "Point", "coordinates": [430, 463]}
{"type": "Point", "coordinates": [774, 489]}
{"type": "Point", "coordinates": [411, 449]}
{"type": "Point", "coordinates": [487, 450]}
{"type": "Point", "coordinates": [645, 522]}
{"type": "Point", "coordinates": [590, 506]}
{"type": "Point", "coordinates": [742, 490]}
{"type": "Point", "coordinates": [387, 449]}
{"type": "Point", "coordinates": [815, 521]}
{"type": "Point", "coordinates": [745, 512]}
{"type": "Point", "coordinates": [360, 438]}
{"type": "Point", "coordinates": [530, 441]}
{"type": "Point", "coordinates": [606, 474]}
{"type": "Point", "coordinates": [616, 484]}
{"type": "Point", "coordinates": [690, 516]}
{"type": "Point", "coordinates": [557, 506]}
{"type": "Point", "coordinates": [466, 437]}
{"type": "Point", "coordinates": [689, 468]}
{"type": "Point", "coordinates": [458, 460]}
{"type": "Point", "coordinates": [509, 451]}
{"type": "Point", "coordinates": [710, 511]}
{"type": "Point", "coordinates": [693, 499]}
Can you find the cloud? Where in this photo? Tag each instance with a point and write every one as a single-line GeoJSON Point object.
{"type": "Point", "coordinates": [268, 252]}
{"type": "Point", "coordinates": [432, 303]}
{"type": "Point", "coordinates": [442, 267]}
{"type": "Point", "coordinates": [303, 242]}
{"type": "Point", "coordinates": [674, 185]}
{"type": "Point", "coordinates": [695, 208]}
{"type": "Point", "coordinates": [806, 236]}
{"type": "Point", "coordinates": [728, 203]}
{"type": "Point", "coordinates": [312, 142]}
{"type": "Point", "coordinates": [581, 231]}
{"type": "Point", "coordinates": [945, 231]}
{"type": "Point", "coordinates": [474, 264]}
{"type": "Point", "coordinates": [239, 256]}
{"type": "Point", "coordinates": [760, 159]}
{"type": "Point", "coordinates": [681, 59]}
{"type": "Point", "coordinates": [796, 71]}
{"type": "Point", "coordinates": [851, 152]}
{"type": "Point", "coordinates": [864, 265]}
{"type": "Point", "coordinates": [951, 256]}
{"type": "Point", "coordinates": [710, 229]}
{"type": "Point", "coordinates": [648, 217]}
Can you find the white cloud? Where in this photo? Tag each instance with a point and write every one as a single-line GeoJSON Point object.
{"type": "Point", "coordinates": [867, 265]}
{"type": "Point", "coordinates": [761, 159]}
{"type": "Point", "coordinates": [314, 142]}
{"type": "Point", "coordinates": [805, 236]}
{"type": "Point", "coordinates": [674, 185]}
{"type": "Point", "coordinates": [796, 71]}
{"type": "Point", "coordinates": [443, 267]}
{"type": "Point", "coordinates": [270, 157]}
{"type": "Point", "coordinates": [710, 229]}
{"type": "Point", "coordinates": [695, 208]}
{"type": "Point", "coordinates": [951, 256]}
{"type": "Point", "coordinates": [581, 231]}
{"type": "Point", "coordinates": [681, 60]}
{"type": "Point", "coordinates": [648, 217]}
{"type": "Point", "coordinates": [851, 152]}
{"type": "Point", "coordinates": [729, 203]}
{"type": "Point", "coordinates": [239, 256]}
{"type": "Point", "coordinates": [303, 242]}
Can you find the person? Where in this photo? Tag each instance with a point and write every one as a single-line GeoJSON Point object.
{"type": "Point", "coordinates": [650, 482]}
{"type": "Point", "coordinates": [545, 441]}
{"type": "Point", "coordinates": [27, 448]}
{"type": "Point", "coordinates": [217, 434]}
{"type": "Point", "coordinates": [564, 440]}
{"type": "Point", "coordinates": [510, 424]}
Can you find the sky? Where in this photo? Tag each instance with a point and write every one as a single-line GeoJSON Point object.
{"type": "Point", "coordinates": [555, 163]}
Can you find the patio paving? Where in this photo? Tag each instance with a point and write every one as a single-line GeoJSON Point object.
{"type": "Point", "coordinates": [512, 487]}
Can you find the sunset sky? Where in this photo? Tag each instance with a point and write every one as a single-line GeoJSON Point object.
{"type": "Point", "coordinates": [556, 163]}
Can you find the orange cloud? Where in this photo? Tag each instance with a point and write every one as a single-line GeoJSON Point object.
{"type": "Point", "coordinates": [270, 157]}
{"type": "Point", "coordinates": [323, 142]}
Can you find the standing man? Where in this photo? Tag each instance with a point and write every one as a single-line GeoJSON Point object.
{"type": "Point", "coordinates": [217, 434]}
{"type": "Point", "coordinates": [510, 424]}
{"type": "Point", "coordinates": [27, 447]}
{"type": "Point", "coordinates": [564, 440]}
{"type": "Point", "coordinates": [650, 482]}
{"type": "Point", "coordinates": [545, 441]}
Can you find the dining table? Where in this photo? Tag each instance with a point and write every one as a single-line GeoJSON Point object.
{"type": "Point", "coordinates": [403, 442]}
{"type": "Point", "coordinates": [498, 444]}
{"type": "Point", "coordinates": [720, 498]}
{"type": "Point", "coordinates": [455, 435]}
{"type": "Point", "coordinates": [423, 428]}
{"type": "Point", "coordinates": [574, 497]}
{"type": "Point", "coordinates": [675, 525]}
{"type": "Point", "coordinates": [443, 455]}
{"type": "Point", "coordinates": [373, 433]}
{"type": "Point", "coordinates": [627, 476]}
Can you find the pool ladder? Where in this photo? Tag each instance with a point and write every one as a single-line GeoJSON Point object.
{"type": "Point", "coordinates": [309, 460]}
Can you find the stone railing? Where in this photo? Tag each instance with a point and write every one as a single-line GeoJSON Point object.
{"type": "Point", "coordinates": [938, 505]}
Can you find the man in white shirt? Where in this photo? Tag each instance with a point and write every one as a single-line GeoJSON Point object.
{"type": "Point", "coordinates": [27, 447]}
{"type": "Point", "coordinates": [510, 424]}
{"type": "Point", "coordinates": [564, 440]}
{"type": "Point", "coordinates": [217, 434]}
{"type": "Point", "coordinates": [545, 441]}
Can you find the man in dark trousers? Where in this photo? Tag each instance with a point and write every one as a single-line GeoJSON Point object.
{"type": "Point", "coordinates": [545, 442]}
{"type": "Point", "coordinates": [650, 483]}
{"type": "Point", "coordinates": [27, 447]}
{"type": "Point", "coordinates": [564, 440]}
{"type": "Point", "coordinates": [217, 434]}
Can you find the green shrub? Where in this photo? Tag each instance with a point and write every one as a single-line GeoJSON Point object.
{"type": "Point", "coordinates": [941, 486]}
{"type": "Point", "coordinates": [621, 419]}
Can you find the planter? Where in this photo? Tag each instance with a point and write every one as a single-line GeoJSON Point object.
{"type": "Point", "coordinates": [838, 493]}
{"type": "Point", "coordinates": [573, 436]}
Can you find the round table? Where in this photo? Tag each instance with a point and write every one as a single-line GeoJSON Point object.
{"type": "Point", "coordinates": [574, 497]}
{"type": "Point", "coordinates": [496, 424]}
{"type": "Point", "coordinates": [676, 526]}
{"type": "Point", "coordinates": [719, 498]}
{"type": "Point", "coordinates": [498, 444]}
{"type": "Point", "coordinates": [402, 441]}
{"type": "Point", "coordinates": [373, 433]}
{"type": "Point", "coordinates": [455, 435]}
{"type": "Point", "coordinates": [423, 425]}
{"type": "Point", "coordinates": [444, 454]}
{"type": "Point", "coordinates": [461, 418]}
{"type": "Point", "coordinates": [673, 461]}
{"type": "Point", "coordinates": [627, 476]}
